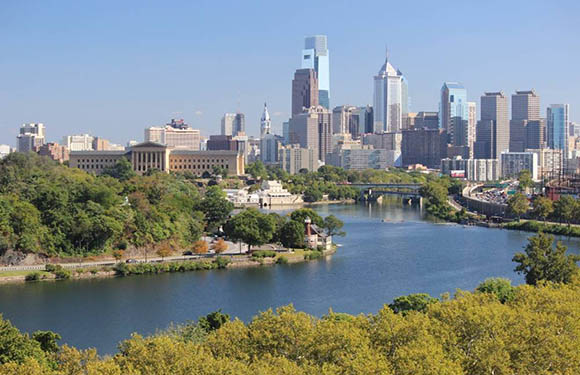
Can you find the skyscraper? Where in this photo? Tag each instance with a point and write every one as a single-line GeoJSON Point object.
{"type": "Point", "coordinates": [30, 136]}
{"type": "Point", "coordinates": [313, 129]}
{"type": "Point", "coordinates": [492, 133]}
{"type": "Point", "coordinates": [315, 56]}
{"type": "Point", "coordinates": [304, 90]}
{"type": "Point", "coordinates": [454, 113]}
{"type": "Point", "coordinates": [526, 127]}
{"type": "Point", "coordinates": [558, 117]}
{"type": "Point", "coordinates": [471, 125]}
{"type": "Point", "coordinates": [389, 95]}
{"type": "Point", "coordinates": [233, 123]}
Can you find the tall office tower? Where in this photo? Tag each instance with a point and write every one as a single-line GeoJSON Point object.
{"type": "Point", "coordinates": [454, 113]}
{"type": "Point", "coordinates": [30, 136]}
{"type": "Point", "coordinates": [471, 125]}
{"type": "Point", "coordinates": [426, 120]}
{"type": "Point", "coordinates": [286, 132]}
{"type": "Point", "coordinates": [313, 129]}
{"type": "Point", "coordinates": [342, 120]}
{"type": "Point", "coordinates": [228, 123]}
{"type": "Point", "coordinates": [265, 122]}
{"type": "Point", "coordinates": [362, 121]}
{"type": "Point", "coordinates": [389, 95]}
{"type": "Point", "coordinates": [315, 56]}
{"type": "Point", "coordinates": [304, 90]}
{"type": "Point", "coordinates": [558, 116]}
{"type": "Point", "coordinates": [239, 124]}
{"type": "Point", "coordinates": [526, 127]}
{"type": "Point", "coordinates": [424, 146]}
{"type": "Point", "coordinates": [492, 133]}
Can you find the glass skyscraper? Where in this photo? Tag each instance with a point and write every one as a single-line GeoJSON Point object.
{"type": "Point", "coordinates": [315, 56]}
{"type": "Point", "coordinates": [557, 119]}
{"type": "Point", "coordinates": [390, 99]}
{"type": "Point", "coordinates": [453, 112]}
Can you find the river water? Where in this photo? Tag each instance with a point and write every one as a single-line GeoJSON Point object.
{"type": "Point", "coordinates": [377, 262]}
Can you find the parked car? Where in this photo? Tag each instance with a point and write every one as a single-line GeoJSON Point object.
{"type": "Point", "coordinates": [188, 252]}
{"type": "Point", "coordinates": [131, 261]}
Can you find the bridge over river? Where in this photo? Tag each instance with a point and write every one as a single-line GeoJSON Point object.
{"type": "Point", "coordinates": [372, 192]}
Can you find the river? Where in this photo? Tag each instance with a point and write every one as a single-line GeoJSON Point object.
{"type": "Point", "coordinates": [376, 262]}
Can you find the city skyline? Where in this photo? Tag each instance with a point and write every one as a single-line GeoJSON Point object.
{"type": "Point", "coordinates": [82, 77]}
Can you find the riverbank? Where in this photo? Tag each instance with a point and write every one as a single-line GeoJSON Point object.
{"type": "Point", "coordinates": [122, 269]}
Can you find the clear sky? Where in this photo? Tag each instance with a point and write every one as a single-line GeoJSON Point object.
{"type": "Point", "coordinates": [112, 68]}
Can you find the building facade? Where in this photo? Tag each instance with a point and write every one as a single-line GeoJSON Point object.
{"type": "Point", "coordinates": [54, 151]}
{"type": "Point", "coordinates": [80, 142]}
{"type": "Point", "coordinates": [293, 158]}
{"type": "Point", "coordinates": [148, 156]}
{"type": "Point", "coordinates": [526, 126]}
{"type": "Point", "coordinates": [424, 146]}
{"type": "Point", "coordinates": [454, 112]}
{"type": "Point", "coordinates": [426, 120]}
{"type": "Point", "coordinates": [550, 162]}
{"type": "Point", "coordinates": [315, 56]}
{"type": "Point", "coordinates": [362, 158]}
{"type": "Point", "coordinates": [390, 99]}
{"type": "Point", "coordinates": [313, 129]}
{"type": "Point", "coordinates": [557, 116]}
{"type": "Point", "coordinates": [175, 134]}
{"type": "Point", "coordinates": [233, 124]}
{"type": "Point", "coordinates": [31, 136]}
{"type": "Point", "coordinates": [304, 90]}
{"type": "Point", "coordinates": [492, 133]}
{"type": "Point", "coordinates": [480, 170]}
{"type": "Point", "coordinates": [512, 163]}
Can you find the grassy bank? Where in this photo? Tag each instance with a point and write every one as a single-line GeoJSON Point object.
{"type": "Point", "coordinates": [536, 226]}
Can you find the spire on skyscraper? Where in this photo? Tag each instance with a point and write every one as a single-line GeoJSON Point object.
{"type": "Point", "coordinates": [265, 123]}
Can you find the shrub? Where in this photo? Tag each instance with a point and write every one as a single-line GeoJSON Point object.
{"type": "Point", "coordinates": [52, 267]}
{"type": "Point", "coordinates": [121, 269]}
{"type": "Point", "coordinates": [221, 262]}
{"type": "Point", "coordinates": [33, 276]}
{"type": "Point", "coordinates": [282, 260]}
{"type": "Point", "coordinates": [313, 255]}
{"type": "Point", "coordinates": [263, 254]}
{"type": "Point", "coordinates": [62, 274]}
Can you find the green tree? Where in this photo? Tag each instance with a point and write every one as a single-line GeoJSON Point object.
{"type": "Point", "coordinates": [333, 226]}
{"type": "Point", "coordinates": [565, 208]}
{"type": "Point", "coordinates": [251, 227]}
{"type": "Point", "coordinates": [435, 193]}
{"type": "Point", "coordinates": [15, 346]}
{"type": "Point", "coordinates": [220, 171]}
{"type": "Point", "coordinates": [500, 287]}
{"type": "Point", "coordinates": [257, 170]}
{"type": "Point", "coordinates": [122, 170]}
{"type": "Point", "coordinates": [312, 194]}
{"type": "Point", "coordinates": [543, 207]}
{"type": "Point", "coordinates": [541, 261]}
{"type": "Point", "coordinates": [292, 234]}
{"type": "Point", "coordinates": [48, 340]}
{"type": "Point", "coordinates": [518, 204]}
{"type": "Point", "coordinates": [216, 207]}
{"type": "Point", "coordinates": [301, 214]}
{"type": "Point", "coordinates": [213, 320]}
{"type": "Point", "coordinates": [412, 302]}
{"type": "Point", "coordinates": [525, 180]}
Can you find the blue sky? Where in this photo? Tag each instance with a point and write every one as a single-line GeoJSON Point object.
{"type": "Point", "coordinates": [112, 68]}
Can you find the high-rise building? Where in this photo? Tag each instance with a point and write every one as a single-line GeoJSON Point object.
{"type": "Point", "coordinates": [389, 95]}
{"type": "Point", "coordinates": [343, 122]}
{"type": "Point", "coordinates": [362, 121]}
{"type": "Point", "coordinates": [304, 90]}
{"type": "Point", "coordinates": [385, 141]}
{"type": "Point", "coordinates": [174, 134]}
{"type": "Point", "coordinates": [313, 129]}
{"type": "Point", "coordinates": [473, 169]}
{"type": "Point", "coordinates": [293, 158]}
{"type": "Point", "coordinates": [526, 126]}
{"type": "Point", "coordinates": [512, 163]}
{"type": "Point", "coordinates": [471, 125]}
{"type": "Point", "coordinates": [315, 56]}
{"type": "Point", "coordinates": [426, 120]}
{"type": "Point", "coordinates": [30, 137]}
{"type": "Point", "coordinates": [80, 142]}
{"type": "Point", "coordinates": [233, 123]}
{"type": "Point", "coordinates": [454, 112]}
{"type": "Point", "coordinates": [424, 146]}
{"type": "Point", "coordinates": [558, 116]}
{"type": "Point", "coordinates": [269, 143]}
{"type": "Point", "coordinates": [492, 133]}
